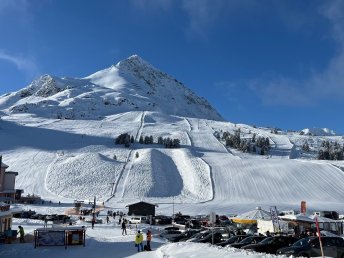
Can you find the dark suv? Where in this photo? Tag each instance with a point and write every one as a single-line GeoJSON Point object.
{"type": "Point", "coordinates": [310, 247]}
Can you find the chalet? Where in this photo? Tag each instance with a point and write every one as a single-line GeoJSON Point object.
{"type": "Point", "coordinates": [7, 184]}
{"type": "Point", "coordinates": [7, 196]}
{"type": "Point", "coordinates": [142, 209]}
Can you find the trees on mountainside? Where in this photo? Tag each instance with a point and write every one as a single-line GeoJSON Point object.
{"type": "Point", "coordinates": [331, 151]}
{"type": "Point", "coordinates": [255, 144]}
{"type": "Point", "coordinates": [126, 139]}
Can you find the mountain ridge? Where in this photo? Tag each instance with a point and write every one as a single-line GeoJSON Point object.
{"type": "Point", "coordinates": [131, 85]}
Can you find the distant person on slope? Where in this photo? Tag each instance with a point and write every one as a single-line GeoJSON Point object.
{"type": "Point", "coordinates": [138, 241]}
{"type": "Point", "coordinates": [93, 222]}
{"type": "Point", "coordinates": [124, 228]}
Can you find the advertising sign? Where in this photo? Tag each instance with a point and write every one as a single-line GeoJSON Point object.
{"type": "Point", "coordinates": [274, 218]}
{"type": "Point", "coordinates": [51, 238]}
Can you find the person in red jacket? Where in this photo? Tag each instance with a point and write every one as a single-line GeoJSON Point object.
{"type": "Point", "coordinates": [149, 239]}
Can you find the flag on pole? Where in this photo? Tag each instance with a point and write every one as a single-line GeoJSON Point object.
{"type": "Point", "coordinates": [319, 235]}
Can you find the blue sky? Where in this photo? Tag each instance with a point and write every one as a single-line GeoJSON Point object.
{"type": "Point", "coordinates": [263, 62]}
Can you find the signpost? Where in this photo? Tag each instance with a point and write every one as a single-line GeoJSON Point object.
{"type": "Point", "coordinates": [212, 218]}
{"type": "Point", "coordinates": [319, 235]}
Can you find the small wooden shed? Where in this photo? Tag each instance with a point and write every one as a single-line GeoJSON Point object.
{"type": "Point", "coordinates": [142, 209]}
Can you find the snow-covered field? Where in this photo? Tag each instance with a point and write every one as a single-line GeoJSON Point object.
{"type": "Point", "coordinates": [64, 160]}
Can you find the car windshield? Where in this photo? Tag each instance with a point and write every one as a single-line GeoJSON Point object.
{"type": "Point", "coordinates": [232, 239]}
{"type": "Point", "coordinates": [302, 242]}
{"type": "Point", "coordinates": [246, 240]}
{"type": "Point", "coordinates": [268, 240]}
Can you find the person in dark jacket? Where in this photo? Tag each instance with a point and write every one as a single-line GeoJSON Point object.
{"type": "Point", "coordinates": [124, 228]}
{"type": "Point", "coordinates": [93, 222]}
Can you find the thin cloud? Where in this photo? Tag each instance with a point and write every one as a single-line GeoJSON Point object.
{"type": "Point", "coordinates": [26, 65]}
{"type": "Point", "coordinates": [329, 83]}
{"type": "Point", "coordinates": [201, 14]}
{"type": "Point", "coordinates": [204, 14]}
{"type": "Point", "coordinates": [21, 9]}
{"type": "Point", "coordinates": [152, 4]}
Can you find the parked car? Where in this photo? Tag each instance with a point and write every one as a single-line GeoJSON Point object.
{"type": "Point", "coordinates": [162, 220]}
{"type": "Point", "coordinates": [310, 247]}
{"type": "Point", "coordinates": [271, 244]}
{"type": "Point", "coordinates": [231, 240]}
{"type": "Point", "coordinates": [138, 220]}
{"type": "Point", "coordinates": [198, 236]}
{"type": "Point", "coordinates": [181, 219]}
{"type": "Point", "coordinates": [247, 241]}
{"type": "Point", "coordinates": [170, 234]}
{"type": "Point", "coordinates": [185, 235]}
{"type": "Point", "coordinates": [209, 238]}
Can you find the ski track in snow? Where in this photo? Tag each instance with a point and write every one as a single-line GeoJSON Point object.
{"type": "Point", "coordinates": [202, 173]}
{"type": "Point", "coordinates": [124, 175]}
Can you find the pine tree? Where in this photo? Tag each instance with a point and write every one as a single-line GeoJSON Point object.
{"type": "Point", "coordinates": [141, 140]}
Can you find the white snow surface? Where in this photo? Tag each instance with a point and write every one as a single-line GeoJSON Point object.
{"type": "Point", "coordinates": [319, 131]}
{"type": "Point", "coordinates": [58, 134]}
{"type": "Point", "coordinates": [65, 160]}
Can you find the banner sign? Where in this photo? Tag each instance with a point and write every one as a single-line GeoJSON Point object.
{"type": "Point", "coordinates": [274, 218]}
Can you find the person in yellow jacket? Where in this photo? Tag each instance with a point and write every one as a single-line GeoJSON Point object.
{"type": "Point", "coordinates": [138, 241]}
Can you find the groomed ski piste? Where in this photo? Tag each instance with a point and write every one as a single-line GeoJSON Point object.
{"type": "Point", "coordinates": [67, 160]}
{"type": "Point", "coordinates": [64, 160]}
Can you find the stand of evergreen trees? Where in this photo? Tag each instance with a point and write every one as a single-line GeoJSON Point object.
{"type": "Point", "coordinates": [127, 139]}
{"type": "Point", "coordinates": [331, 151]}
{"type": "Point", "coordinates": [260, 144]}
{"type": "Point", "coordinates": [169, 142]}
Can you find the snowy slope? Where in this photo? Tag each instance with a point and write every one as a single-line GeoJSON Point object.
{"type": "Point", "coordinates": [59, 134]}
{"type": "Point", "coordinates": [131, 85]}
{"type": "Point", "coordinates": [68, 159]}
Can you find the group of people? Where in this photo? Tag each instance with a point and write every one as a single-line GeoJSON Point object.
{"type": "Point", "coordinates": [9, 234]}
{"type": "Point", "coordinates": [139, 240]}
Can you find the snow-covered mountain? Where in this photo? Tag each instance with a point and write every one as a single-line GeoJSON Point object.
{"type": "Point", "coordinates": [131, 85]}
{"type": "Point", "coordinates": [318, 131]}
{"type": "Point", "coordinates": [77, 158]}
